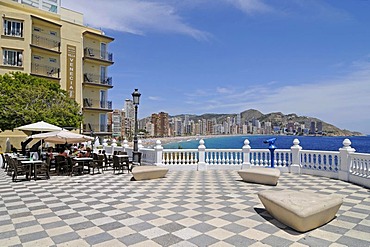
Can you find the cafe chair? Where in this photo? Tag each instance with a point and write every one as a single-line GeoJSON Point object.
{"type": "Point", "coordinates": [20, 169]}
{"type": "Point", "coordinates": [8, 167]}
{"type": "Point", "coordinates": [51, 163]}
{"type": "Point", "coordinates": [107, 162]}
{"type": "Point", "coordinates": [42, 170]}
{"type": "Point", "coordinates": [97, 162]}
{"type": "Point", "coordinates": [61, 164]}
{"type": "Point", "coordinates": [117, 164]}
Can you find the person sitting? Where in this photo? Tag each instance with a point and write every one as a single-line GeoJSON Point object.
{"type": "Point", "coordinates": [75, 151]}
{"type": "Point", "coordinates": [50, 153]}
{"type": "Point", "coordinates": [82, 147]}
{"type": "Point", "coordinates": [62, 152]}
{"type": "Point", "coordinates": [13, 149]}
{"type": "Point", "coordinates": [88, 152]}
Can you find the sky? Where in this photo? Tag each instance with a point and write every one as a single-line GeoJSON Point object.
{"type": "Point", "coordinates": [309, 57]}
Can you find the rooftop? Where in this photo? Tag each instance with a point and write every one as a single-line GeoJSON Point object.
{"type": "Point", "coordinates": [187, 208]}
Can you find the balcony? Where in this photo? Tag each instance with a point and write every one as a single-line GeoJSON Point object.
{"type": "Point", "coordinates": [99, 55]}
{"type": "Point", "coordinates": [98, 79]}
{"type": "Point", "coordinates": [45, 43]}
{"type": "Point", "coordinates": [45, 71]}
{"type": "Point", "coordinates": [97, 104]}
{"type": "Point", "coordinates": [96, 128]}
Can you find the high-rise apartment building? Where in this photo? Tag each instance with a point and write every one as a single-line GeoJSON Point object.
{"type": "Point", "coordinates": [161, 124]}
{"type": "Point", "coordinates": [41, 38]}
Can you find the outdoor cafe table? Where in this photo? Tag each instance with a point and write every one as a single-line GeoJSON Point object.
{"type": "Point", "coordinates": [31, 164]}
{"type": "Point", "coordinates": [84, 161]}
{"type": "Point", "coordinates": [121, 156]}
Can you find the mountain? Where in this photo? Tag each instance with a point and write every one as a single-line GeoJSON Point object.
{"type": "Point", "coordinates": [276, 119]}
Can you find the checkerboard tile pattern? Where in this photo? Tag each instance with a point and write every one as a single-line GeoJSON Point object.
{"type": "Point", "coordinates": [187, 208]}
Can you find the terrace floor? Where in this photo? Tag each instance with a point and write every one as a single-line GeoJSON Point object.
{"type": "Point", "coordinates": [187, 208]}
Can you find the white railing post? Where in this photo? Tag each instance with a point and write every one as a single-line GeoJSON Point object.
{"type": "Point", "coordinates": [202, 156]}
{"type": "Point", "coordinates": [246, 155]}
{"type": "Point", "coordinates": [295, 166]}
{"type": "Point", "coordinates": [125, 145]}
{"type": "Point", "coordinates": [345, 160]}
{"type": "Point", "coordinates": [158, 150]}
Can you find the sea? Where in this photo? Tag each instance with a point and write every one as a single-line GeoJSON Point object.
{"type": "Point", "coordinates": [360, 143]}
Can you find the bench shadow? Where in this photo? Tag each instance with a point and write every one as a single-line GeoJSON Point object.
{"type": "Point", "coordinates": [242, 181]}
{"type": "Point", "coordinates": [265, 215]}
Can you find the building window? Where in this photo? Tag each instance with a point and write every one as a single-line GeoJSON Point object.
{"type": "Point", "coordinates": [53, 33]}
{"type": "Point", "coordinates": [37, 29]}
{"type": "Point", "coordinates": [13, 58]}
{"type": "Point", "coordinates": [52, 60]}
{"type": "Point", "coordinates": [13, 28]}
{"type": "Point", "coordinates": [103, 74]}
{"type": "Point", "coordinates": [103, 50]}
{"type": "Point", "coordinates": [103, 122]}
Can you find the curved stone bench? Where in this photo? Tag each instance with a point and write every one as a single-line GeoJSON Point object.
{"type": "Point", "coordinates": [268, 176]}
{"type": "Point", "coordinates": [300, 210]}
{"type": "Point", "coordinates": [148, 172]}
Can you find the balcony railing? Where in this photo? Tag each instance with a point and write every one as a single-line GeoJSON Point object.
{"type": "Point", "coordinates": [98, 54]}
{"type": "Point", "coordinates": [345, 164]}
{"type": "Point", "coordinates": [96, 128]}
{"type": "Point", "coordinates": [94, 78]}
{"type": "Point", "coordinates": [45, 70]}
{"type": "Point", "coordinates": [45, 42]}
{"type": "Point", "coordinates": [97, 104]}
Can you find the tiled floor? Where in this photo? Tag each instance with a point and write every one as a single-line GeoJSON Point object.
{"type": "Point", "coordinates": [187, 208]}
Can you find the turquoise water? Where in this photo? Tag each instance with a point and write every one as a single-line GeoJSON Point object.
{"type": "Point", "coordinates": [360, 143]}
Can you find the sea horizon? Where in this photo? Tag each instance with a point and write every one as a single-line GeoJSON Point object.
{"type": "Point", "coordinates": [325, 143]}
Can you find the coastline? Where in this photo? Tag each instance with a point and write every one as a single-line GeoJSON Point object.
{"type": "Point", "coordinates": [150, 142]}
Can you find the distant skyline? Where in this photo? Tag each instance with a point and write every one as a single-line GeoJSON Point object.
{"type": "Point", "coordinates": [309, 57]}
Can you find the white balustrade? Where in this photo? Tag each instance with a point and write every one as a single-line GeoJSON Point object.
{"type": "Point", "coordinates": [147, 155]}
{"type": "Point", "coordinates": [344, 164]}
{"type": "Point", "coordinates": [180, 156]}
{"type": "Point", "coordinates": [224, 156]}
{"type": "Point", "coordinates": [360, 165]}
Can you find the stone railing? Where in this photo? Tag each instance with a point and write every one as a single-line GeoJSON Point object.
{"type": "Point", "coordinates": [344, 164]}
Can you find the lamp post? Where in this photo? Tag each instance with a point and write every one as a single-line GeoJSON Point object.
{"type": "Point", "coordinates": [136, 98]}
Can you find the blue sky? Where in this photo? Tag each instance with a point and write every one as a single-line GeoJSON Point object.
{"type": "Point", "coordinates": [310, 57]}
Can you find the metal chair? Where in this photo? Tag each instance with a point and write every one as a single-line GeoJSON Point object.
{"type": "Point", "coordinates": [42, 170]}
{"type": "Point", "coordinates": [61, 164]}
{"type": "Point", "coordinates": [20, 169]}
{"type": "Point", "coordinates": [97, 162]}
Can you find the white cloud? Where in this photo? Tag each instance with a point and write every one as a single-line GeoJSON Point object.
{"type": "Point", "coordinates": [155, 98]}
{"type": "Point", "coordinates": [132, 16]}
{"type": "Point", "coordinates": [251, 6]}
{"type": "Point", "coordinates": [224, 90]}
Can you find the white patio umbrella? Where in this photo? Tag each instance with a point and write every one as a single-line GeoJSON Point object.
{"type": "Point", "coordinates": [39, 126]}
{"type": "Point", "coordinates": [61, 137]}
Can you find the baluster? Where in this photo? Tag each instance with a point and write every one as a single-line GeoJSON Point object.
{"type": "Point", "coordinates": [167, 160]}
{"type": "Point", "coordinates": [211, 157]}
{"type": "Point", "coordinates": [171, 158]}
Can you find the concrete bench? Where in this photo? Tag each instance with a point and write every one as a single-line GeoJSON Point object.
{"type": "Point", "coordinates": [268, 176]}
{"type": "Point", "coordinates": [300, 210]}
{"type": "Point", "coordinates": [148, 172]}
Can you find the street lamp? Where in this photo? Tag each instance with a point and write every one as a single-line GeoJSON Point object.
{"type": "Point", "coordinates": [136, 98]}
